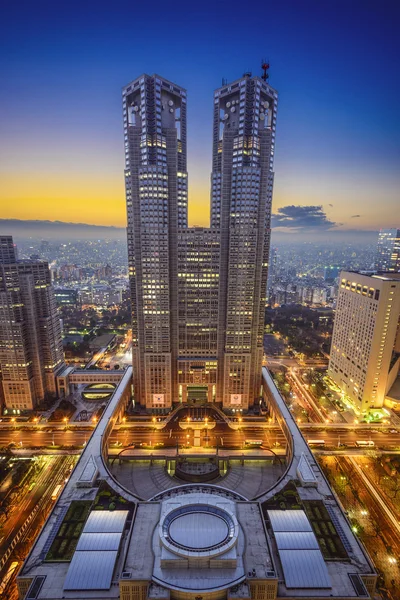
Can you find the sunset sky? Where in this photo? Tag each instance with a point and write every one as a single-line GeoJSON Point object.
{"type": "Point", "coordinates": [335, 65]}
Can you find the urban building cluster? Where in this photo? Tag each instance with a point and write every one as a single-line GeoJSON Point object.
{"type": "Point", "coordinates": [308, 273]}
{"type": "Point", "coordinates": [92, 294]}
{"type": "Point", "coordinates": [198, 306]}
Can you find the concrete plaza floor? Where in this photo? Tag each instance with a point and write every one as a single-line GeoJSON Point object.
{"type": "Point", "coordinates": [146, 480]}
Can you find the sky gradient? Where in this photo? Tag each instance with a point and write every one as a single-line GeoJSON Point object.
{"type": "Point", "coordinates": [334, 64]}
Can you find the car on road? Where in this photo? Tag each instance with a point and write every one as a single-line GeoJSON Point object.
{"type": "Point", "coordinates": [393, 431]}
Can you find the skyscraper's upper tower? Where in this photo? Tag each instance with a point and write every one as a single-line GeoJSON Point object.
{"type": "Point", "coordinates": [246, 111]}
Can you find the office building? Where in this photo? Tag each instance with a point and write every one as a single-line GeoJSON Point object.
{"type": "Point", "coordinates": [198, 295]}
{"type": "Point", "coordinates": [364, 335]}
{"type": "Point", "coordinates": [388, 250]}
{"type": "Point", "coordinates": [30, 332]}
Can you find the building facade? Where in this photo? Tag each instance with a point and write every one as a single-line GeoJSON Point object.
{"type": "Point", "coordinates": [31, 353]}
{"type": "Point", "coordinates": [388, 250]}
{"type": "Point", "coordinates": [364, 337]}
{"type": "Point", "coordinates": [198, 294]}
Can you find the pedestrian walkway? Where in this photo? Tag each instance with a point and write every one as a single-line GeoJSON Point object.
{"type": "Point", "coordinates": [147, 480]}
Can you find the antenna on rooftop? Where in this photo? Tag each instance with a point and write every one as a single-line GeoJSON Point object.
{"type": "Point", "coordinates": [265, 67]}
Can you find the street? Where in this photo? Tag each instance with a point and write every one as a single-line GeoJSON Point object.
{"type": "Point", "coordinates": [172, 433]}
{"type": "Point", "coordinates": [29, 508]}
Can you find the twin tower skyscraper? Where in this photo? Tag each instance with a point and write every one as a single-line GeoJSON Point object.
{"type": "Point", "coordinates": [198, 294]}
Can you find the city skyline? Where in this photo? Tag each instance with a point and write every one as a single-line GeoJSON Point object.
{"type": "Point", "coordinates": [64, 161]}
{"type": "Point", "coordinates": [176, 345]}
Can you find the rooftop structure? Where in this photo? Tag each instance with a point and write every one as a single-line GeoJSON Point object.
{"type": "Point", "coordinates": [197, 539]}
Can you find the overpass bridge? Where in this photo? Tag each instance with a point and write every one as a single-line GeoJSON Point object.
{"type": "Point", "coordinates": [70, 378]}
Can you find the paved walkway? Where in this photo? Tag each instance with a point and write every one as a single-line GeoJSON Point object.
{"type": "Point", "coordinates": [146, 480]}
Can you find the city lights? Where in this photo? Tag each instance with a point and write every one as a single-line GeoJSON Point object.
{"type": "Point", "coordinates": [254, 337]}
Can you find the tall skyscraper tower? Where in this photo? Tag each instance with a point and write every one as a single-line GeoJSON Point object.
{"type": "Point", "coordinates": [242, 180]}
{"type": "Point", "coordinates": [198, 294]}
{"type": "Point", "coordinates": [156, 193]}
{"type": "Point", "coordinates": [388, 250]}
{"type": "Point", "coordinates": [31, 353]}
{"type": "Point", "coordinates": [364, 337]}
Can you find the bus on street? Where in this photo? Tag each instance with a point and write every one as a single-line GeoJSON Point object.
{"type": "Point", "coordinates": [56, 491]}
{"type": "Point", "coordinates": [365, 444]}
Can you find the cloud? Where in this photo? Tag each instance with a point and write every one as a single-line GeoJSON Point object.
{"type": "Point", "coordinates": [355, 216]}
{"type": "Point", "coordinates": [302, 218]}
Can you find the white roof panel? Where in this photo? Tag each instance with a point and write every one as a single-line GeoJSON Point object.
{"type": "Point", "coordinates": [104, 521]}
{"type": "Point", "coordinates": [304, 569]}
{"type": "Point", "coordinates": [99, 541]}
{"type": "Point", "coordinates": [295, 540]}
{"type": "Point", "coordinates": [289, 520]}
{"type": "Point", "coordinates": [91, 570]}
{"type": "Point", "coordinates": [90, 470]}
{"type": "Point", "coordinates": [305, 471]}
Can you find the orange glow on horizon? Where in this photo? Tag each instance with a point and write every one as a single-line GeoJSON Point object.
{"type": "Point", "coordinates": [98, 198]}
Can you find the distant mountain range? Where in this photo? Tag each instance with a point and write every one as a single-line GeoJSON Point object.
{"type": "Point", "coordinates": [59, 230]}
{"type": "Point", "coordinates": [62, 231]}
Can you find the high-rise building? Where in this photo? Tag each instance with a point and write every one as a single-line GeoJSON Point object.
{"type": "Point", "coordinates": [364, 335]}
{"type": "Point", "coordinates": [31, 352]}
{"type": "Point", "coordinates": [198, 295]}
{"type": "Point", "coordinates": [388, 250]}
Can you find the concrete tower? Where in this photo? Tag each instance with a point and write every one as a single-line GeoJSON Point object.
{"type": "Point", "coordinates": [242, 180]}
{"type": "Point", "coordinates": [31, 353]}
{"type": "Point", "coordinates": [198, 294]}
{"type": "Point", "coordinates": [364, 357]}
{"type": "Point", "coordinates": [156, 193]}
